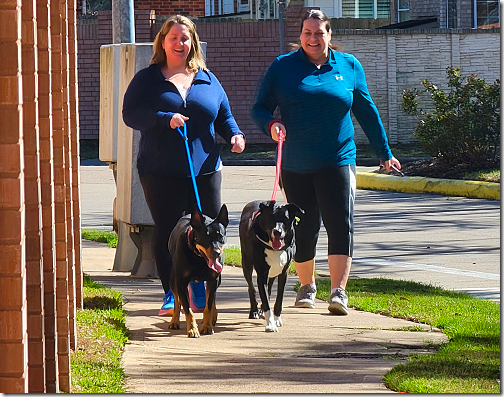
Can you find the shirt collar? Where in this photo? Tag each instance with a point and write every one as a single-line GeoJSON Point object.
{"type": "Point", "coordinates": [330, 61]}
{"type": "Point", "coordinates": [201, 75]}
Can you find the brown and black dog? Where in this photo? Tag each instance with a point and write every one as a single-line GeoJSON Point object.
{"type": "Point", "coordinates": [196, 245]}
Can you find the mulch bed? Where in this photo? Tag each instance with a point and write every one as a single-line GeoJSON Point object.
{"type": "Point", "coordinates": [437, 168]}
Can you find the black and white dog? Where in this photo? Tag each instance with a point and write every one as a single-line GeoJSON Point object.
{"type": "Point", "coordinates": [268, 246]}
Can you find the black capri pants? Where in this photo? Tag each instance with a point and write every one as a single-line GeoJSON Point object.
{"type": "Point", "coordinates": [170, 197]}
{"type": "Point", "coordinates": [326, 195]}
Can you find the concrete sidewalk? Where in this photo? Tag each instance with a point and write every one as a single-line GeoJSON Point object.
{"type": "Point", "coordinates": [424, 238]}
{"type": "Point", "coordinates": [314, 352]}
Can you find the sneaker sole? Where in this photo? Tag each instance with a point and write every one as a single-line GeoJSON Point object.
{"type": "Point", "coordinates": [337, 308]}
{"type": "Point", "coordinates": [305, 304]}
{"type": "Point", "coordinates": [163, 312]}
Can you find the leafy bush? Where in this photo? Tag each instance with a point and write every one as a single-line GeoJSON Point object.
{"type": "Point", "coordinates": [464, 125]}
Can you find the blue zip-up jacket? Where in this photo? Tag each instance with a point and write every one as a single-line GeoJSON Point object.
{"type": "Point", "coordinates": [315, 108]}
{"type": "Point", "coordinates": [149, 104]}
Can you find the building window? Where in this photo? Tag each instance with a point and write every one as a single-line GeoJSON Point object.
{"type": "Point", "coordinates": [402, 10]}
{"type": "Point", "coordinates": [365, 9]}
{"type": "Point", "coordinates": [451, 12]}
{"type": "Point", "coordinates": [486, 14]}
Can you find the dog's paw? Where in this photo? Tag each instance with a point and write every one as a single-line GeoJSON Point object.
{"type": "Point", "coordinates": [271, 328]}
{"type": "Point", "coordinates": [270, 322]}
{"type": "Point", "coordinates": [255, 315]}
{"type": "Point", "coordinates": [174, 325]}
{"type": "Point", "coordinates": [193, 333]}
{"type": "Point", "coordinates": [278, 321]}
{"type": "Point", "coordinates": [206, 329]}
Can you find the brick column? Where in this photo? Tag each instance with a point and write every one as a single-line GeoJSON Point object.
{"type": "Point", "coordinates": [34, 270]}
{"type": "Point", "coordinates": [47, 189]}
{"type": "Point", "coordinates": [58, 118]}
{"type": "Point", "coordinates": [75, 148]}
{"type": "Point", "coordinates": [68, 172]}
{"type": "Point", "coordinates": [13, 307]}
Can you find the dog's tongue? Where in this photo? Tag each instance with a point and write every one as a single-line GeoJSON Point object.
{"type": "Point", "coordinates": [215, 265]}
{"type": "Point", "coordinates": [276, 243]}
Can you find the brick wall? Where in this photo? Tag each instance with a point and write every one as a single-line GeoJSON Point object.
{"type": "Point", "coordinates": [192, 8]}
{"type": "Point", "coordinates": [40, 251]}
{"type": "Point", "coordinates": [92, 34]}
{"type": "Point", "coordinates": [239, 54]}
{"type": "Point", "coordinates": [400, 59]}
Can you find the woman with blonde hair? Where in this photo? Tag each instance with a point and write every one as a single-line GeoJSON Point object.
{"type": "Point", "coordinates": [177, 91]}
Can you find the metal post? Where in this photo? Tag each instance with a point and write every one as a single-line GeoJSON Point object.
{"type": "Point", "coordinates": [281, 24]}
{"type": "Point", "coordinates": [123, 21]}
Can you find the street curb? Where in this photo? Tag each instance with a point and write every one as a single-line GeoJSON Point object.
{"type": "Point", "coordinates": [414, 184]}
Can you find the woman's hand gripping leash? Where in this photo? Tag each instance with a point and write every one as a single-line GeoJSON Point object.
{"type": "Point", "coordinates": [392, 164]}
{"type": "Point", "coordinates": [278, 134]}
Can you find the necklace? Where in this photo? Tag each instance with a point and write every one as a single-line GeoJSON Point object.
{"type": "Point", "coordinates": [181, 79]}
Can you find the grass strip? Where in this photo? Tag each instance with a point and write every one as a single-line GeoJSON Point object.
{"type": "Point", "coordinates": [100, 236]}
{"type": "Point", "coordinates": [468, 363]}
{"type": "Point", "coordinates": [101, 335]}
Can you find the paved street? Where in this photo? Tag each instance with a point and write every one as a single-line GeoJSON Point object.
{"type": "Point", "coordinates": [451, 242]}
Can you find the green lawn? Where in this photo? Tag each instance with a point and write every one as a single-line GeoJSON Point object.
{"type": "Point", "coordinates": [468, 363]}
{"type": "Point", "coordinates": [101, 335]}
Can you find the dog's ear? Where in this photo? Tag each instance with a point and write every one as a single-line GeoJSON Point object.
{"type": "Point", "coordinates": [223, 216]}
{"type": "Point", "coordinates": [266, 205]}
{"type": "Point", "coordinates": [293, 210]}
{"type": "Point", "coordinates": [197, 220]}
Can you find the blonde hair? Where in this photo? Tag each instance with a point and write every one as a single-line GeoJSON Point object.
{"type": "Point", "coordinates": [195, 59]}
{"type": "Point", "coordinates": [320, 16]}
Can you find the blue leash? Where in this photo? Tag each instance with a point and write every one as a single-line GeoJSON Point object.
{"type": "Point", "coordinates": [193, 177]}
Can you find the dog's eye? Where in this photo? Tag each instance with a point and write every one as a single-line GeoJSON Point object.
{"type": "Point", "coordinates": [217, 232]}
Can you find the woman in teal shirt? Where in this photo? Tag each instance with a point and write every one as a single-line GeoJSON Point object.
{"type": "Point", "coordinates": [315, 88]}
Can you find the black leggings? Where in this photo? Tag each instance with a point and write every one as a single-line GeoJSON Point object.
{"type": "Point", "coordinates": [170, 197]}
{"type": "Point", "coordinates": [327, 195]}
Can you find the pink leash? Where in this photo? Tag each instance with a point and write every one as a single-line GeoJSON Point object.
{"type": "Point", "coordinates": [281, 137]}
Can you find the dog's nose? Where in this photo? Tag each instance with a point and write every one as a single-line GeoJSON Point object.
{"type": "Point", "coordinates": [216, 251]}
{"type": "Point", "coordinates": [278, 231]}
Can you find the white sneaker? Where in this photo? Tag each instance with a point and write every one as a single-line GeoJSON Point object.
{"type": "Point", "coordinates": [338, 302]}
{"type": "Point", "coordinates": [306, 296]}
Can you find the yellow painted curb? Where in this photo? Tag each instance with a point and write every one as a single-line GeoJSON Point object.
{"type": "Point", "coordinates": [415, 184]}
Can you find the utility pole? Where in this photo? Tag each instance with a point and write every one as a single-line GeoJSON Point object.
{"type": "Point", "coordinates": [123, 21]}
{"type": "Point", "coordinates": [281, 5]}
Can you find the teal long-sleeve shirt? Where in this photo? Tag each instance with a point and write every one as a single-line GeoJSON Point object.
{"type": "Point", "coordinates": [315, 107]}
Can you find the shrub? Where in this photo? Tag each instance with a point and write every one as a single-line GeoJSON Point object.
{"type": "Point", "coordinates": [464, 126]}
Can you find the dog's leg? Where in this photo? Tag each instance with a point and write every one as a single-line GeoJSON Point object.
{"type": "Point", "coordinates": [262, 285]}
{"type": "Point", "coordinates": [175, 321]}
{"type": "Point", "coordinates": [247, 272]}
{"type": "Point", "coordinates": [210, 309]}
{"type": "Point", "coordinates": [192, 327]}
{"type": "Point", "coordinates": [282, 279]}
{"type": "Point", "coordinates": [270, 286]}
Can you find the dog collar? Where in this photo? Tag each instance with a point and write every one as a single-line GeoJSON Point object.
{"type": "Point", "coordinates": [267, 244]}
{"type": "Point", "coordinates": [188, 233]}
{"type": "Point", "coordinates": [252, 220]}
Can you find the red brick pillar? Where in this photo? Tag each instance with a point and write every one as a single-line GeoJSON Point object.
{"type": "Point", "coordinates": [47, 189]}
{"type": "Point", "coordinates": [68, 173]}
{"type": "Point", "coordinates": [34, 269]}
{"type": "Point", "coordinates": [13, 307]}
{"type": "Point", "coordinates": [74, 147]}
{"type": "Point", "coordinates": [58, 119]}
